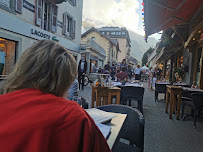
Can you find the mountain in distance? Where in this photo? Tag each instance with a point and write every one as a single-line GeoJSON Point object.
{"type": "Point", "coordinates": [138, 44]}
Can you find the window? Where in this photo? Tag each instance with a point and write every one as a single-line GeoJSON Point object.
{"type": "Point", "coordinates": [8, 5]}
{"type": "Point", "coordinates": [123, 33]}
{"type": "Point", "coordinates": [107, 33]}
{"type": "Point", "coordinates": [5, 3]}
{"type": "Point", "coordinates": [19, 6]}
{"type": "Point", "coordinates": [69, 25]}
{"type": "Point", "coordinates": [93, 38]}
{"type": "Point", "coordinates": [46, 15]}
{"type": "Point", "coordinates": [73, 2]}
{"type": "Point", "coordinates": [113, 33]}
{"type": "Point", "coordinates": [103, 33]}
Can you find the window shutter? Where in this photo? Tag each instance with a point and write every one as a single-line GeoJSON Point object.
{"type": "Point", "coordinates": [54, 18]}
{"type": "Point", "coordinates": [39, 12]}
{"type": "Point", "coordinates": [19, 6]}
{"type": "Point", "coordinates": [64, 23]}
{"type": "Point", "coordinates": [73, 29]}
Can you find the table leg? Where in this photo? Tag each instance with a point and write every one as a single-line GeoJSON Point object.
{"type": "Point", "coordinates": [174, 103]}
{"type": "Point", "coordinates": [178, 106]}
{"type": "Point", "coordinates": [167, 96]}
{"type": "Point", "coordinates": [118, 98]}
{"type": "Point", "coordinates": [109, 97]}
{"type": "Point", "coordinates": [105, 100]}
{"type": "Point", "coordinates": [171, 105]}
{"type": "Point", "coordinates": [98, 101]}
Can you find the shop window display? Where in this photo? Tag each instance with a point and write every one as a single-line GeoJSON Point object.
{"type": "Point", "coordinates": [7, 56]}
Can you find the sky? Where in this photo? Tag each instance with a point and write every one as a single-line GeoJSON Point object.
{"type": "Point", "coordinates": [122, 13]}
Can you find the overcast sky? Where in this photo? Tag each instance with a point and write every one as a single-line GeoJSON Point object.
{"type": "Point", "coordinates": [122, 13]}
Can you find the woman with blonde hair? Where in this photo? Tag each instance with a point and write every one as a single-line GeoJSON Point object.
{"type": "Point", "coordinates": [35, 116]}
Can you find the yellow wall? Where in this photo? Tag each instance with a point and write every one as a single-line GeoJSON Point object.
{"type": "Point", "coordinates": [103, 42]}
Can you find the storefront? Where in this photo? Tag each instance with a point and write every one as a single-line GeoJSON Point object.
{"type": "Point", "coordinates": [20, 35]}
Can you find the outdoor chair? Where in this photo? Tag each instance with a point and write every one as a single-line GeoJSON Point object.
{"type": "Point", "coordinates": [130, 93]}
{"type": "Point", "coordinates": [196, 105]}
{"type": "Point", "coordinates": [159, 88]}
{"type": "Point", "coordinates": [84, 102]}
{"type": "Point", "coordinates": [132, 129]}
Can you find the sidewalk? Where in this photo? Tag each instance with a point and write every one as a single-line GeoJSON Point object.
{"type": "Point", "coordinates": [161, 133]}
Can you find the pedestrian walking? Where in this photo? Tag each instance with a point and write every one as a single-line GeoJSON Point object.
{"type": "Point", "coordinates": [138, 73]}
{"type": "Point", "coordinates": [82, 69]}
{"type": "Point", "coordinates": [129, 71]}
{"type": "Point", "coordinates": [107, 68]}
{"type": "Point", "coordinates": [36, 116]}
{"type": "Point", "coordinates": [113, 71]}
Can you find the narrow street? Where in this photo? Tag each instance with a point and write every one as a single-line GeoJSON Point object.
{"type": "Point", "coordinates": [161, 133]}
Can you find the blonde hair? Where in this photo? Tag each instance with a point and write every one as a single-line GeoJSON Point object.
{"type": "Point", "coordinates": [46, 66]}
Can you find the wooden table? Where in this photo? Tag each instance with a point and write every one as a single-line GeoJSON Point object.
{"type": "Point", "coordinates": [116, 124]}
{"type": "Point", "coordinates": [173, 91]}
{"type": "Point", "coordinates": [114, 91]}
{"type": "Point", "coordinates": [106, 94]}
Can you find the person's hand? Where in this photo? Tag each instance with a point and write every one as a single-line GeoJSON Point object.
{"type": "Point", "coordinates": [83, 74]}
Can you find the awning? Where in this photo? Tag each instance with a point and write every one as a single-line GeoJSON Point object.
{"type": "Point", "coordinates": [163, 14]}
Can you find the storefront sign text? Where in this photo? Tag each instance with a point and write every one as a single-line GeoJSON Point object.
{"type": "Point", "coordinates": [40, 34]}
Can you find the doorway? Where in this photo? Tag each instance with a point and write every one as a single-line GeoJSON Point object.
{"type": "Point", "coordinates": [8, 58]}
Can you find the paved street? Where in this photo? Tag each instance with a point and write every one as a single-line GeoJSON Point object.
{"type": "Point", "coordinates": [161, 133]}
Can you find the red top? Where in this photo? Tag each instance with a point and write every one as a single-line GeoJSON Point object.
{"type": "Point", "coordinates": [33, 121]}
{"type": "Point", "coordinates": [122, 75]}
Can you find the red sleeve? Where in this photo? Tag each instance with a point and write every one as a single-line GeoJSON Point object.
{"type": "Point", "coordinates": [79, 133]}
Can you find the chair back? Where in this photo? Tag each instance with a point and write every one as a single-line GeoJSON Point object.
{"type": "Point", "coordinates": [84, 102]}
{"type": "Point", "coordinates": [133, 127]}
{"type": "Point", "coordinates": [160, 88]}
{"type": "Point", "coordinates": [133, 92]}
{"type": "Point", "coordinates": [197, 99]}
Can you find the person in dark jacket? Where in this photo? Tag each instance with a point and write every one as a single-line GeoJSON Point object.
{"type": "Point", "coordinates": [82, 69]}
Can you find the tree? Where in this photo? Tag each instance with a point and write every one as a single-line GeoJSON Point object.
{"type": "Point", "coordinates": [145, 56]}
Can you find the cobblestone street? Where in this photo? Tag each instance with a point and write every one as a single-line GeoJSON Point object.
{"type": "Point", "coordinates": [161, 133]}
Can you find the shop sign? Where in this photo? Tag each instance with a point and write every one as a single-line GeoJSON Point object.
{"type": "Point", "coordinates": [29, 6]}
{"type": "Point", "coordinates": [40, 34]}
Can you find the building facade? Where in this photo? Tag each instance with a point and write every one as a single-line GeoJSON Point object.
{"type": "Point", "coordinates": [111, 47]}
{"type": "Point", "coordinates": [122, 35]}
{"type": "Point", "coordinates": [24, 22]}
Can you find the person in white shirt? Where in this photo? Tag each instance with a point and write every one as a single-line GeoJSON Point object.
{"type": "Point", "coordinates": [138, 73]}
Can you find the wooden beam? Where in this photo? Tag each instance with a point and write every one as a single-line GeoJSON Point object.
{"type": "Point", "coordinates": [177, 32]}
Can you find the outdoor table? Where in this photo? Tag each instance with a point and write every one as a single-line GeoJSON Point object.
{"type": "Point", "coordinates": [192, 90]}
{"type": "Point", "coordinates": [99, 92]}
{"type": "Point", "coordinates": [173, 91]}
{"type": "Point", "coordinates": [106, 93]}
{"type": "Point", "coordinates": [114, 91]}
{"type": "Point", "coordinates": [116, 124]}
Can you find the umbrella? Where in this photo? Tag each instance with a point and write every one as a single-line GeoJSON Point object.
{"type": "Point", "coordinates": [144, 68]}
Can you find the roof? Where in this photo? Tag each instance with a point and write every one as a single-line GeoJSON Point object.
{"type": "Point", "coordinates": [95, 30]}
{"type": "Point", "coordinates": [162, 14]}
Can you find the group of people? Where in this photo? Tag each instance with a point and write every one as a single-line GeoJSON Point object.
{"type": "Point", "coordinates": [121, 72]}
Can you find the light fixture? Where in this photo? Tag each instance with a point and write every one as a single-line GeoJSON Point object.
{"type": "Point", "coordinates": [143, 10]}
{"type": "Point", "coordinates": [193, 39]}
{"type": "Point", "coordinates": [142, 13]}
{"type": "Point", "coordinates": [200, 32]}
{"type": "Point", "coordinates": [143, 18]}
{"type": "Point", "coordinates": [143, 3]}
